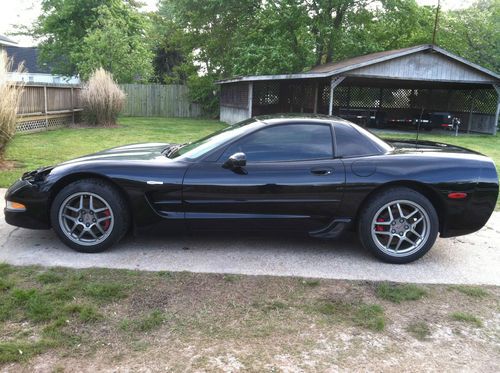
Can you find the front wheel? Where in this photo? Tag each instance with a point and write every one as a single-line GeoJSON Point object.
{"type": "Point", "coordinates": [398, 225]}
{"type": "Point", "coordinates": [89, 215]}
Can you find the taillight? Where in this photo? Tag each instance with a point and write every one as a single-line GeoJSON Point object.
{"type": "Point", "coordinates": [457, 195]}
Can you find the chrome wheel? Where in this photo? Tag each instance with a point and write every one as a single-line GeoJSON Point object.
{"type": "Point", "coordinates": [400, 228]}
{"type": "Point", "coordinates": [86, 218]}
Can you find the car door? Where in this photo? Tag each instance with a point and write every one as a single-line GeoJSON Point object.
{"type": "Point", "coordinates": [291, 181]}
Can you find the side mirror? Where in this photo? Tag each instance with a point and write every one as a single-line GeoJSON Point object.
{"type": "Point", "coordinates": [237, 160]}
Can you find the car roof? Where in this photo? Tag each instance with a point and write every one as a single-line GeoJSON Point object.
{"type": "Point", "coordinates": [305, 118]}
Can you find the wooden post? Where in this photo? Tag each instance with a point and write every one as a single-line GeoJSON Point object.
{"type": "Point", "coordinates": [72, 108]}
{"type": "Point", "coordinates": [469, 124]}
{"type": "Point", "coordinates": [315, 107]}
{"type": "Point", "coordinates": [495, 123]}
{"type": "Point", "coordinates": [45, 107]}
{"type": "Point", "coordinates": [250, 98]}
{"type": "Point", "coordinates": [333, 83]}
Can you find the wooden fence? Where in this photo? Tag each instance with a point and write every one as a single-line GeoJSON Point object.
{"type": "Point", "coordinates": [156, 100]}
{"type": "Point", "coordinates": [44, 107]}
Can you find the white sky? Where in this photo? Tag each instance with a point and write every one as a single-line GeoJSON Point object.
{"type": "Point", "coordinates": [24, 12]}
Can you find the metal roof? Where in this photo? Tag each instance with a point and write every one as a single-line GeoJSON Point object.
{"type": "Point", "coordinates": [335, 68]}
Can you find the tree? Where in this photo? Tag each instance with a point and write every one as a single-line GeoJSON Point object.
{"type": "Point", "coordinates": [87, 34]}
{"type": "Point", "coordinates": [118, 45]}
{"type": "Point", "coordinates": [473, 33]}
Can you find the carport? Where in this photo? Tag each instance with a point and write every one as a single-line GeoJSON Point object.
{"type": "Point", "coordinates": [395, 86]}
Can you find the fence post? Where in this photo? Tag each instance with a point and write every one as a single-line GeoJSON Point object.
{"type": "Point", "coordinates": [46, 106]}
{"type": "Point", "coordinates": [72, 107]}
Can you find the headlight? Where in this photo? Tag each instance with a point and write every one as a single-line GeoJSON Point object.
{"type": "Point", "coordinates": [15, 206]}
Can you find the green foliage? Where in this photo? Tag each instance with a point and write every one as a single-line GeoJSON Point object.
{"type": "Point", "coordinates": [79, 36]}
{"type": "Point", "coordinates": [49, 277]}
{"type": "Point", "coordinates": [473, 33]}
{"type": "Point", "coordinates": [105, 291]}
{"type": "Point", "coordinates": [144, 324]}
{"type": "Point", "coordinates": [420, 330]}
{"type": "Point", "coordinates": [119, 45]}
{"type": "Point", "coordinates": [471, 291]}
{"type": "Point", "coordinates": [310, 282]}
{"type": "Point", "coordinates": [370, 316]}
{"type": "Point", "coordinates": [202, 89]}
{"type": "Point", "coordinates": [467, 318]}
{"type": "Point", "coordinates": [399, 293]}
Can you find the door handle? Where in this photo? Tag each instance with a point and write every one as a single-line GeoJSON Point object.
{"type": "Point", "coordinates": [321, 171]}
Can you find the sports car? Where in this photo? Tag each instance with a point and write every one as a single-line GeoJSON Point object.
{"type": "Point", "coordinates": [316, 175]}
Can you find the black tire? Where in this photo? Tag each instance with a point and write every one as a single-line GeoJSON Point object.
{"type": "Point", "coordinates": [377, 204]}
{"type": "Point", "coordinates": [102, 191]}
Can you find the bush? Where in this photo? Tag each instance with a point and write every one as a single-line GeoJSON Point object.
{"type": "Point", "coordinates": [10, 95]}
{"type": "Point", "coordinates": [102, 99]}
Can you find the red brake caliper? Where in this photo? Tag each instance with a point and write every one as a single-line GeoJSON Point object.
{"type": "Point", "coordinates": [379, 228]}
{"type": "Point", "coordinates": [108, 221]}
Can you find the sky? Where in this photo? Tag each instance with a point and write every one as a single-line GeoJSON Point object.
{"type": "Point", "coordinates": [24, 12]}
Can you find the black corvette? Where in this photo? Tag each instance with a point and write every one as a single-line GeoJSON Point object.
{"type": "Point", "coordinates": [317, 175]}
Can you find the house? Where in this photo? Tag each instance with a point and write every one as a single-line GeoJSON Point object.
{"type": "Point", "coordinates": [33, 71]}
{"type": "Point", "coordinates": [5, 41]}
{"type": "Point", "coordinates": [396, 85]}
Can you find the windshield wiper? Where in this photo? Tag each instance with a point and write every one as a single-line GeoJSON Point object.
{"type": "Point", "coordinates": [173, 149]}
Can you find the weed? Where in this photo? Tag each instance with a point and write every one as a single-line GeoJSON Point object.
{"type": "Point", "coordinates": [231, 278]}
{"type": "Point", "coordinates": [420, 330]}
{"type": "Point", "coordinates": [105, 292]}
{"type": "Point", "coordinates": [144, 324]}
{"type": "Point", "coordinates": [471, 291]}
{"type": "Point", "coordinates": [397, 293]}
{"type": "Point", "coordinates": [467, 318]}
{"type": "Point", "coordinates": [310, 282]}
{"type": "Point", "coordinates": [370, 316]}
{"type": "Point", "coordinates": [49, 277]}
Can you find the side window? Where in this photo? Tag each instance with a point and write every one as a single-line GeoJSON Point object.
{"type": "Point", "coordinates": [351, 143]}
{"type": "Point", "coordinates": [287, 142]}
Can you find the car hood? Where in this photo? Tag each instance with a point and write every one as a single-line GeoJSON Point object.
{"type": "Point", "coordinates": [133, 152]}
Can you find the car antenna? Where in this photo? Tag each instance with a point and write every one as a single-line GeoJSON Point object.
{"type": "Point", "coordinates": [418, 126]}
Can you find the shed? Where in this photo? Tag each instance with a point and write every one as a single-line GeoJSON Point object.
{"type": "Point", "coordinates": [374, 89]}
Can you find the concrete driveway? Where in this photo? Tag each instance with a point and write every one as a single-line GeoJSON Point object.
{"type": "Point", "coordinates": [472, 259]}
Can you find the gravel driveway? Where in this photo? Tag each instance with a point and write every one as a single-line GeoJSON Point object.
{"type": "Point", "coordinates": [472, 259]}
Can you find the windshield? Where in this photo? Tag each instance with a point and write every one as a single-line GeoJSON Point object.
{"type": "Point", "coordinates": [196, 149]}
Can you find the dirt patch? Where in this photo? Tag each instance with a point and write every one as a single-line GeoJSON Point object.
{"type": "Point", "coordinates": [7, 165]}
{"type": "Point", "coordinates": [201, 322]}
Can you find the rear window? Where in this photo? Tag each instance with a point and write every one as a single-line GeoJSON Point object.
{"type": "Point", "coordinates": [352, 143]}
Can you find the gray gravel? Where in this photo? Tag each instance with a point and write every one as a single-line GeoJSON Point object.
{"type": "Point", "coordinates": [472, 259]}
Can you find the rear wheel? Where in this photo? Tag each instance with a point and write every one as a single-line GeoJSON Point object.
{"type": "Point", "coordinates": [89, 215]}
{"type": "Point", "coordinates": [399, 225]}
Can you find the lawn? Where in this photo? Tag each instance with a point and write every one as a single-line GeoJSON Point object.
{"type": "Point", "coordinates": [31, 151]}
{"type": "Point", "coordinates": [60, 319]}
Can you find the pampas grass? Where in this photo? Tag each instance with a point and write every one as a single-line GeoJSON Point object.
{"type": "Point", "coordinates": [102, 99]}
{"type": "Point", "coordinates": [10, 96]}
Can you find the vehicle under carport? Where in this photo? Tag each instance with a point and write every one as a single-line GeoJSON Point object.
{"type": "Point", "coordinates": [401, 87]}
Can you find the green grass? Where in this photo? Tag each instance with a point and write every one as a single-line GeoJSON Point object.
{"type": "Point", "coordinates": [75, 313]}
{"type": "Point", "coordinates": [398, 293]}
{"type": "Point", "coordinates": [367, 316]}
{"type": "Point", "coordinates": [35, 150]}
{"type": "Point", "coordinates": [420, 330]}
{"type": "Point", "coordinates": [467, 318]}
{"type": "Point", "coordinates": [471, 291]}
{"type": "Point", "coordinates": [144, 324]}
